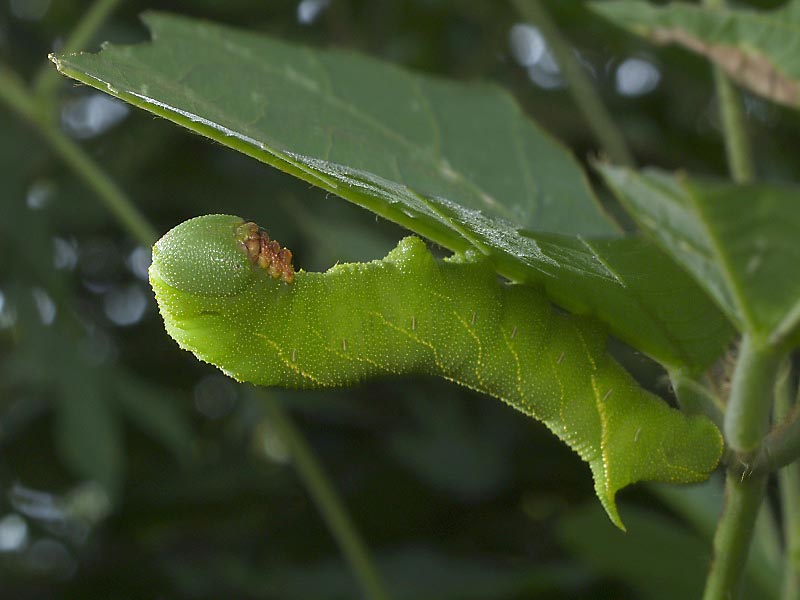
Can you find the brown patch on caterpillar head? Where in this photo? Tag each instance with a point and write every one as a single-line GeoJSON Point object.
{"type": "Point", "coordinates": [267, 253]}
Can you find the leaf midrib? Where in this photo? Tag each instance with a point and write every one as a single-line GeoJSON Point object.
{"type": "Point", "coordinates": [722, 260]}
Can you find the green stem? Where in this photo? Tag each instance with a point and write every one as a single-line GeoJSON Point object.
{"type": "Point", "coordinates": [328, 503]}
{"type": "Point", "coordinates": [737, 145]}
{"type": "Point", "coordinates": [14, 94]}
{"type": "Point", "coordinates": [789, 486]}
{"type": "Point", "coordinates": [733, 535]}
{"type": "Point", "coordinates": [765, 562]}
{"type": "Point", "coordinates": [750, 402]}
{"type": "Point", "coordinates": [782, 446]}
{"type": "Point", "coordinates": [47, 78]}
{"type": "Point", "coordinates": [746, 421]}
{"type": "Point", "coordinates": [789, 483]}
{"type": "Point", "coordinates": [581, 88]}
{"type": "Point", "coordinates": [734, 130]}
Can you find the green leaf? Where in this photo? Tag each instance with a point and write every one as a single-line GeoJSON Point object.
{"type": "Point", "coordinates": [758, 49]}
{"type": "Point", "coordinates": [330, 117]}
{"type": "Point", "coordinates": [646, 299]}
{"type": "Point", "coordinates": [457, 163]}
{"type": "Point", "coordinates": [740, 242]}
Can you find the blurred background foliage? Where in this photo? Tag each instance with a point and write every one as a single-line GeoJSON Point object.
{"type": "Point", "coordinates": [129, 469]}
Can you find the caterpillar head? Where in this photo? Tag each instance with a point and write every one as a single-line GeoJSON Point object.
{"type": "Point", "coordinates": [217, 255]}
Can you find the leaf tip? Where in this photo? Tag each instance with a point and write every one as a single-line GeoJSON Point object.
{"type": "Point", "coordinates": [53, 58]}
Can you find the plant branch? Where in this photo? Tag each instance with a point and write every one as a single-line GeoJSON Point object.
{"type": "Point", "coordinates": [581, 88]}
{"type": "Point", "coordinates": [789, 486]}
{"type": "Point", "coordinates": [16, 97]}
{"type": "Point", "coordinates": [782, 446]}
{"type": "Point", "coordinates": [743, 498]}
{"type": "Point", "coordinates": [328, 503]}
{"type": "Point", "coordinates": [750, 402]}
{"type": "Point", "coordinates": [14, 94]}
{"type": "Point", "coordinates": [746, 421]}
{"type": "Point", "coordinates": [764, 565]}
{"type": "Point", "coordinates": [737, 145]}
{"type": "Point", "coordinates": [47, 79]}
{"type": "Point", "coordinates": [734, 130]}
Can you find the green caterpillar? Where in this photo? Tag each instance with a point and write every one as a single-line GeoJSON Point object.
{"type": "Point", "coordinates": [231, 296]}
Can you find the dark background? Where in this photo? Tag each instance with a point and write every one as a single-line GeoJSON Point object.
{"type": "Point", "coordinates": [167, 480]}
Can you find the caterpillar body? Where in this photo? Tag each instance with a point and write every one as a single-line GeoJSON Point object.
{"type": "Point", "coordinates": [260, 322]}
